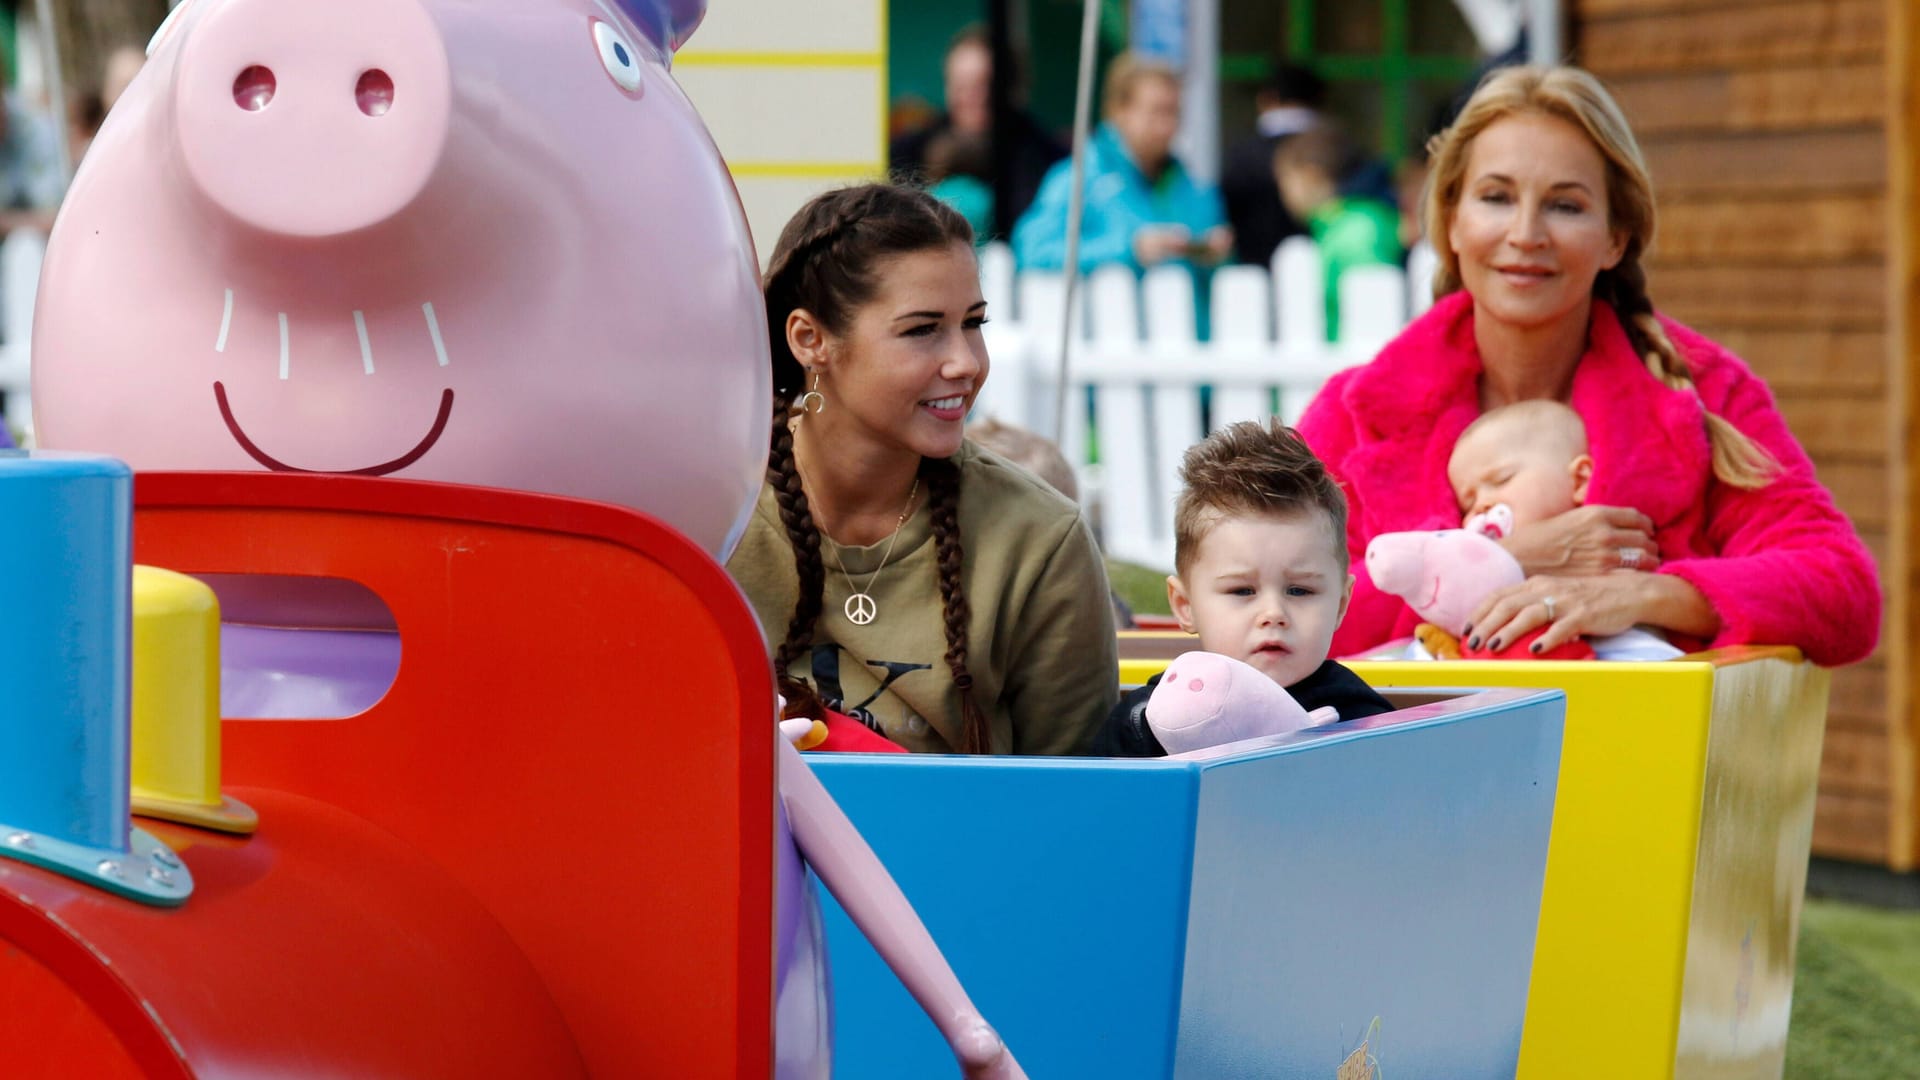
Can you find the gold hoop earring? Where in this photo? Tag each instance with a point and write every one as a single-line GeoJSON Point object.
{"type": "Point", "coordinates": [813, 402]}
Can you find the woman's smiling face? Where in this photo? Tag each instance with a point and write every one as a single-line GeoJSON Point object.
{"type": "Point", "coordinates": [912, 359]}
{"type": "Point", "coordinates": [1531, 229]}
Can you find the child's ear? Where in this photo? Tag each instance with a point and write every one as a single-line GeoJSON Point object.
{"type": "Point", "coordinates": [1346, 598]}
{"type": "Point", "coordinates": [1179, 603]}
{"type": "Point", "coordinates": [1581, 469]}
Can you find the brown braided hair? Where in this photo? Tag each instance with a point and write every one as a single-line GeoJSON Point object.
{"type": "Point", "coordinates": [824, 263]}
{"type": "Point", "coordinates": [943, 502]}
{"type": "Point", "coordinates": [1572, 95]}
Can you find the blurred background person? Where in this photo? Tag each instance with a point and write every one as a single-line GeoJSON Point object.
{"type": "Point", "coordinates": [1290, 102]}
{"type": "Point", "coordinates": [1141, 207]}
{"type": "Point", "coordinates": [1312, 172]}
{"type": "Point", "coordinates": [968, 115]}
{"type": "Point", "coordinates": [31, 183]}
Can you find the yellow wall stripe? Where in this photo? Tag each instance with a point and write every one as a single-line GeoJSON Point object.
{"type": "Point", "coordinates": [783, 59]}
{"type": "Point", "coordinates": [798, 169]}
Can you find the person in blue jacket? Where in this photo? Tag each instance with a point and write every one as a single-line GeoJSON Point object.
{"type": "Point", "coordinates": [1142, 208]}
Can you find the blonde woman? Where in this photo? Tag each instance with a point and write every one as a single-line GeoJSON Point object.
{"type": "Point", "coordinates": [1703, 517]}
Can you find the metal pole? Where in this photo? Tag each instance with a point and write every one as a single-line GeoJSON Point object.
{"type": "Point", "coordinates": [1200, 92]}
{"type": "Point", "coordinates": [56, 87]}
{"type": "Point", "coordinates": [1076, 201]}
{"type": "Point", "coordinates": [1546, 32]}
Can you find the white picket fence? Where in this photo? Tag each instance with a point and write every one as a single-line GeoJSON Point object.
{"type": "Point", "coordinates": [1139, 358]}
{"type": "Point", "coordinates": [21, 253]}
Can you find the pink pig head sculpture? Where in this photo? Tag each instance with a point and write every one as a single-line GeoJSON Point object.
{"type": "Point", "coordinates": [481, 241]}
{"type": "Point", "coordinates": [1442, 575]}
{"type": "Point", "coordinates": [1206, 699]}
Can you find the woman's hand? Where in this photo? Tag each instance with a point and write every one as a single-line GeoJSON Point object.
{"type": "Point", "coordinates": [1153, 244]}
{"type": "Point", "coordinates": [1216, 246]}
{"type": "Point", "coordinates": [1587, 541]}
{"type": "Point", "coordinates": [1595, 606]}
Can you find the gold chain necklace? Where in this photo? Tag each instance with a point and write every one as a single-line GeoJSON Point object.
{"type": "Point", "coordinates": [860, 608]}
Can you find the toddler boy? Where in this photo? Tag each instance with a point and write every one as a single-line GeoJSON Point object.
{"type": "Point", "coordinates": [1260, 574]}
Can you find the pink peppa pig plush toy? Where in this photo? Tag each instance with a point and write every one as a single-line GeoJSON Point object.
{"type": "Point", "coordinates": [1444, 576]}
{"type": "Point", "coordinates": [1206, 699]}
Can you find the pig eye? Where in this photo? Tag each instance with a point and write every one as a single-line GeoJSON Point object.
{"type": "Point", "coordinates": [617, 55]}
{"type": "Point", "coordinates": [166, 25]}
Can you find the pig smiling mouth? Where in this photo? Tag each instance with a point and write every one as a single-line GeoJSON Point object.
{"type": "Point", "coordinates": [275, 464]}
{"type": "Point", "coordinates": [366, 354]}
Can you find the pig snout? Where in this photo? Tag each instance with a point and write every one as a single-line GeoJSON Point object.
{"type": "Point", "coordinates": [312, 118]}
{"type": "Point", "coordinates": [1396, 561]}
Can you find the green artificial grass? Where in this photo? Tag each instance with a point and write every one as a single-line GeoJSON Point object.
{"type": "Point", "coordinates": [1144, 590]}
{"type": "Point", "coordinates": [1849, 1023]}
{"type": "Point", "coordinates": [1885, 942]}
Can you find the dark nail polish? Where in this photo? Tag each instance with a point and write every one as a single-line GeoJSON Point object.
{"type": "Point", "coordinates": [1473, 643]}
{"type": "Point", "coordinates": [1537, 650]}
{"type": "Point", "coordinates": [1467, 629]}
{"type": "Point", "coordinates": [1494, 645]}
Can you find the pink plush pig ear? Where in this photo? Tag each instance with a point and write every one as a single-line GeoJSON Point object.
{"type": "Point", "coordinates": [667, 23]}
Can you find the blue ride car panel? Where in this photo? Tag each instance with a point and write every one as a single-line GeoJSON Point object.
{"type": "Point", "coordinates": [1244, 911]}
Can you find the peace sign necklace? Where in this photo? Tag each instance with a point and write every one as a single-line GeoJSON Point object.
{"type": "Point", "coordinates": [860, 608]}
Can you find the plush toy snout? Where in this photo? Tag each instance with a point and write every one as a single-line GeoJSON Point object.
{"type": "Point", "coordinates": [1206, 699]}
{"type": "Point", "coordinates": [1442, 575]}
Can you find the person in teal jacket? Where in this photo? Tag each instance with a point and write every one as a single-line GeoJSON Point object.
{"type": "Point", "coordinates": [1142, 208]}
{"type": "Point", "coordinates": [1350, 230]}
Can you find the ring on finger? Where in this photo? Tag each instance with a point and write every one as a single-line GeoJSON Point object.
{"type": "Point", "coordinates": [1630, 558]}
{"type": "Point", "coordinates": [1549, 602]}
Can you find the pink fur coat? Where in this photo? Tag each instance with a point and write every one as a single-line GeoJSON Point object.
{"type": "Point", "coordinates": [1780, 565]}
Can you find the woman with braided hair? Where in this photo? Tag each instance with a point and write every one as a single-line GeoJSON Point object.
{"type": "Point", "coordinates": [951, 601]}
{"type": "Point", "coordinates": [1702, 518]}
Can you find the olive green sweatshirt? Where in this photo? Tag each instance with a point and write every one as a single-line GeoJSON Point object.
{"type": "Point", "coordinates": [1041, 643]}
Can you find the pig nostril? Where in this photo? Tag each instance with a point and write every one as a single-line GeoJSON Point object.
{"type": "Point", "coordinates": [253, 88]}
{"type": "Point", "coordinates": [374, 92]}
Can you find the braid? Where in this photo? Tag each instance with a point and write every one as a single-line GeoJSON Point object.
{"type": "Point", "coordinates": [943, 483]}
{"type": "Point", "coordinates": [1737, 460]}
{"type": "Point", "coordinates": [784, 477]}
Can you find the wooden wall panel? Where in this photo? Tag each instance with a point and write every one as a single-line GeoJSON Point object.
{"type": "Point", "coordinates": [1820, 358]}
{"type": "Point", "coordinates": [1766, 99]}
{"type": "Point", "coordinates": [1765, 124]}
{"type": "Point", "coordinates": [1856, 827]}
{"type": "Point", "coordinates": [1859, 691]}
{"type": "Point", "coordinates": [1837, 428]}
{"type": "Point", "coordinates": [1814, 228]}
{"type": "Point", "coordinates": [1758, 34]}
{"type": "Point", "coordinates": [1747, 164]}
{"type": "Point", "coordinates": [1783, 295]}
{"type": "Point", "coordinates": [1860, 489]}
{"type": "Point", "coordinates": [1853, 763]}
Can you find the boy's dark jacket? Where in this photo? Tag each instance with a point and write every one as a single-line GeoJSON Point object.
{"type": "Point", "coordinates": [1126, 733]}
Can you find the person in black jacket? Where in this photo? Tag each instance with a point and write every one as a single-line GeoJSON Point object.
{"type": "Point", "coordinates": [969, 115]}
{"type": "Point", "coordinates": [1260, 574]}
{"type": "Point", "coordinates": [1290, 102]}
